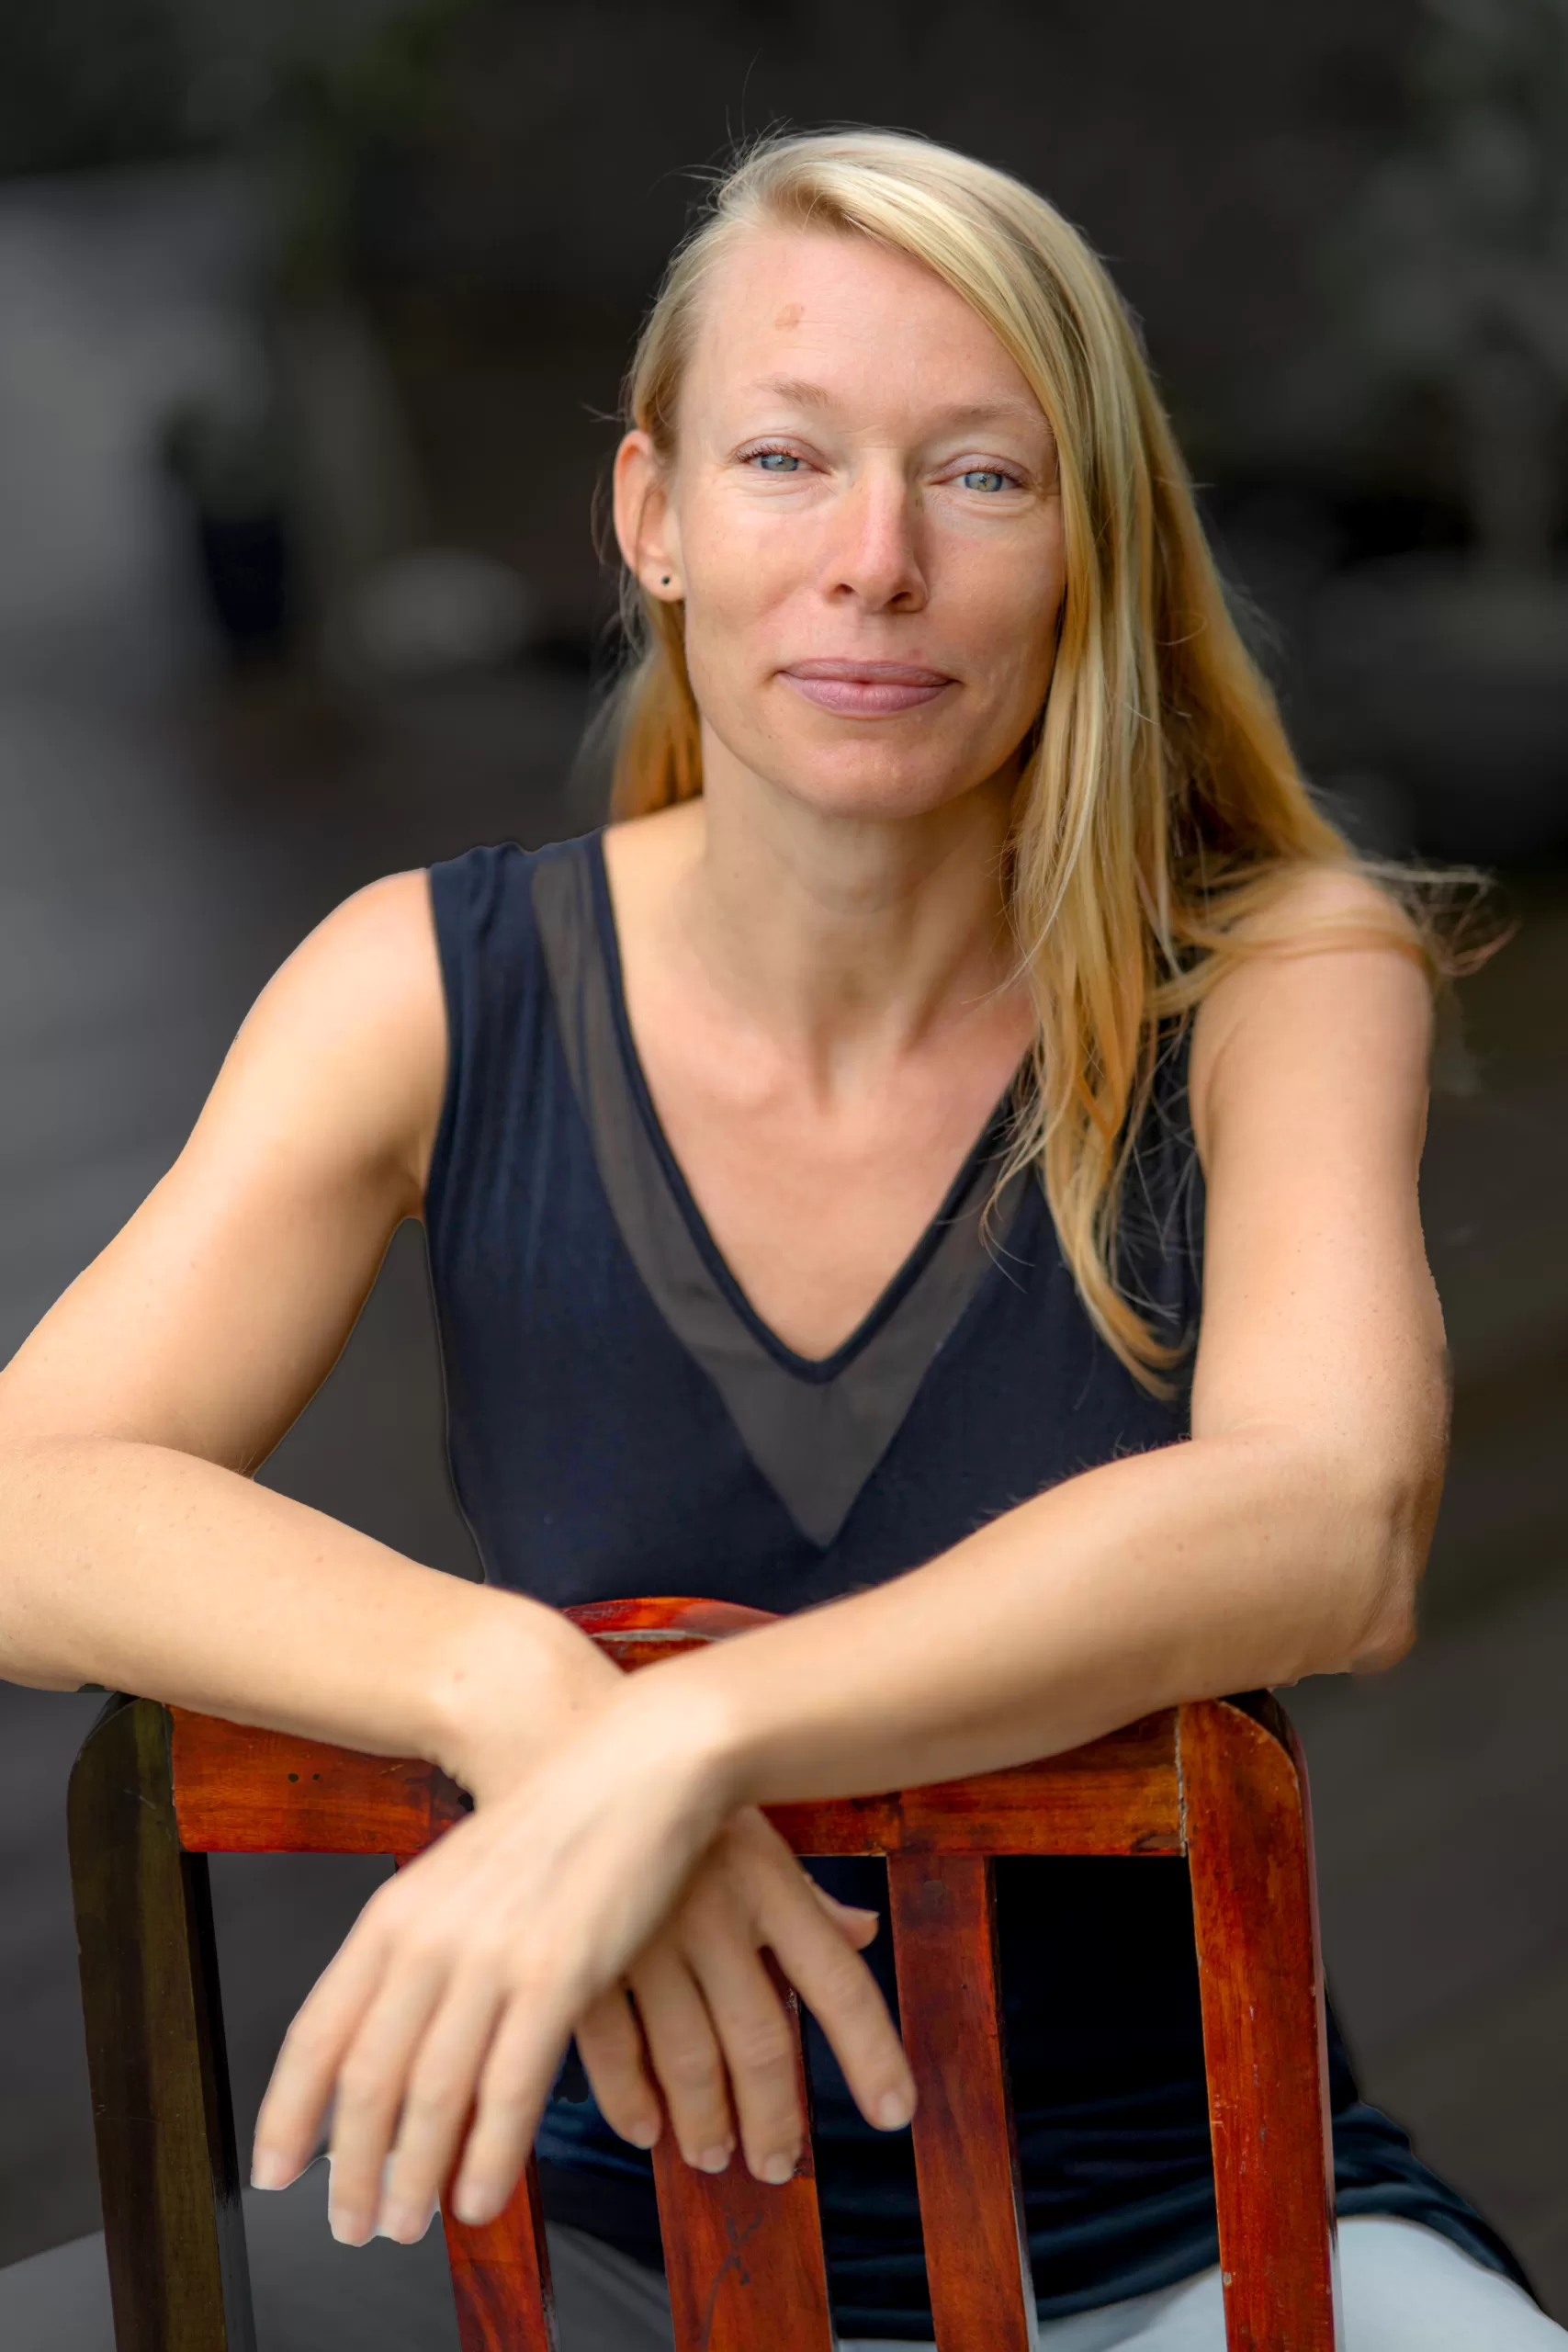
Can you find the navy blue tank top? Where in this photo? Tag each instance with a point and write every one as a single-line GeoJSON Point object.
{"type": "Point", "coordinates": [622, 1423]}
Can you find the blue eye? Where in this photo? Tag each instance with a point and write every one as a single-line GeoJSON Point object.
{"type": "Point", "coordinates": [777, 461]}
{"type": "Point", "coordinates": [986, 480]}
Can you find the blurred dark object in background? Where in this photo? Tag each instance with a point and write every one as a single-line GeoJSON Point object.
{"type": "Point", "coordinates": [1450, 665]}
{"type": "Point", "coordinates": [312, 318]}
{"type": "Point", "coordinates": [226, 467]}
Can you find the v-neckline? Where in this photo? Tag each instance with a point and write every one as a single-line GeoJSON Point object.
{"type": "Point", "coordinates": [987, 1144]}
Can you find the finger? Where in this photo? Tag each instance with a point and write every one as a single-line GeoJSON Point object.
{"type": "Point", "coordinates": [438, 2100]}
{"type": "Point", "coordinates": [756, 2038]}
{"type": "Point", "coordinates": [291, 2119]}
{"type": "Point", "coordinates": [609, 2043]}
{"type": "Point", "coordinates": [371, 2085]}
{"type": "Point", "coordinates": [857, 1926]}
{"type": "Point", "coordinates": [841, 1994]}
{"type": "Point", "coordinates": [683, 2054]}
{"type": "Point", "coordinates": [521, 2064]}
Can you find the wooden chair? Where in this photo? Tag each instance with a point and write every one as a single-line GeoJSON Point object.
{"type": "Point", "coordinates": [156, 1790]}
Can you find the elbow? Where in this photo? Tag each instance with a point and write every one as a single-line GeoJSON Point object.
{"type": "Point", "coordinates": [1392, 1510]}
{"type": "Point", "coordinates": [1388, 1633]}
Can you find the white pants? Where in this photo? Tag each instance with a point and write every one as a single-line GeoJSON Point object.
{"type": "Point", "coordinates": [1404, 2289]}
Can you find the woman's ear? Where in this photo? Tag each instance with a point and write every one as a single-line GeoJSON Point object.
{"type": "Point", "coordinates": [646, 528]}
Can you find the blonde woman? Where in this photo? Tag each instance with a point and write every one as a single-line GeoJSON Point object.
{"type": "Point", "coordinates": [940, 1168]}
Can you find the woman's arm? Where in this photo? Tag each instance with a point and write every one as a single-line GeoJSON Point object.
{"type": "Point", "coordinates": [136, 1552]}
{"type": "Point", "coordinates": [1285, 1539]}
{"type": "Point", "coordinates": [135, 1549]}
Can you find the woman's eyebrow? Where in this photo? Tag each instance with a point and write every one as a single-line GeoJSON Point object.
{"type": "Point", "coordinates": [798, 392]}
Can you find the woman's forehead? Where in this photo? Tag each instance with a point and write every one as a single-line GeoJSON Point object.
{"type": "Point", "coordinates": [813, 318]}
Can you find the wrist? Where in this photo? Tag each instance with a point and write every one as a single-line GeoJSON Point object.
{"type": "Point", "coordinates": [684, 1714]}
{"type": "Point", "coordinates": [516, 1677]}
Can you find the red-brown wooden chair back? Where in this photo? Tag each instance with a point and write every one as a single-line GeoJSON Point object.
{"type": "Point", "coordinates": [1220, 1782]}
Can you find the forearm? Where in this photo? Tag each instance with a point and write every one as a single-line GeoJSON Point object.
{"type": "Point", "coordinates": [1225, 1564]}
{"type": "Point", "coordinates": [151, 1571]}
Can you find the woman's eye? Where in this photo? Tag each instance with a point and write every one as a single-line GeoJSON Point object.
{"type": "Point", "coordinates": [986, 477]}
{"type": "Point", "coordinates": [776, 461]}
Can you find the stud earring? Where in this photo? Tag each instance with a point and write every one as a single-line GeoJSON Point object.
{"type": "Point", "coordinates": [665, 581]}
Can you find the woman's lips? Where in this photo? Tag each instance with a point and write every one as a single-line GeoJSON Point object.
{"type": "Point", "coordinates": [867, 689]}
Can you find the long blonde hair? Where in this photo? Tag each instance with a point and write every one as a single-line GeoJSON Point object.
{"type": "Point", "coordinates": [1160, 801]}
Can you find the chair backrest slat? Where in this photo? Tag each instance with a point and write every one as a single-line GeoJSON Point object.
{"type": "Point", "coordinates": [1261, 1975]}
{"type": "Point", "coordinates": [966, 2152]}
{"type": "Point", "coordinates": [1117, 1796]}
{"type": "Point", "coordinates": [500, 2269]}
{"type": "Point", "coordinates": [501, 2275]}
{"type": "Point", "coordinates": [239, 1790]}
{"type": "Point", "coordinates": [744, 2260]}
{"type": "Point", "coordinates": [243, 1791]}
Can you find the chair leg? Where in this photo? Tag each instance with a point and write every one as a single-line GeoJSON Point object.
{"type": "Point", "coordinates": [173, 2225]}
{"type": "Point", "coordinates": [1250, 1849]}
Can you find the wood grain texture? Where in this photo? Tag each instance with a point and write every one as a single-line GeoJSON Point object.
{"type": "Point", "coordinates": [671, 1618]}
{"type": "Point", "coordinates": [1249, 1838]}
{"type": "Point", "coordinates": [744, 2260]}
{"type": "Point", "coordinates": [966, 2150]}
{"type": "Point", "coordinates": [501, 2275]}
{"type": "Point", "coordinates": [174, 2231]}
{"type": "Point", "coordinates": [1119, 1795]}
{"type": "Point", "coordinates": [242, 1790]}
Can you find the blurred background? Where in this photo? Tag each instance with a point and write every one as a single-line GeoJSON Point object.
{"type": "Point", "coordinates": [312, 323]}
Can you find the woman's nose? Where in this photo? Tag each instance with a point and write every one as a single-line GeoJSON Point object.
{"type": "Point", "coordinates": [875, 555]}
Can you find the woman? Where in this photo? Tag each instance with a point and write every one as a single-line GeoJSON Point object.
{"type": "Point", "coordinates": [820, 1169]}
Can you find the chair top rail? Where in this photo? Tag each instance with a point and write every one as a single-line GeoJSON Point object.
{"type": "Point", "coordinates": [242, 1790]}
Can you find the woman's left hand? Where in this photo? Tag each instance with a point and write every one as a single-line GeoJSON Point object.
{"type": "Point", "coordinates": [711, 2028]}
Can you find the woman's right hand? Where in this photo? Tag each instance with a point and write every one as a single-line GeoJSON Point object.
{"type": "Point", "coordinates": [435, 2033]}
{"type": "Point", "coordinates": [700, 2017]}
{"type": "Point", "coordinates": [698, 2027]}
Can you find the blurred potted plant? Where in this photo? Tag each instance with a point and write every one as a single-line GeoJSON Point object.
{"type": "Point", "coordinates": [1456, 665]}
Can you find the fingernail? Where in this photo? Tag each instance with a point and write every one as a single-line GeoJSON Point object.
{"type": "Point", "coordinates": [473, 2207]}
{"type": "Point", "coordinates": [895, 2110]}
{"type": "Point", "coordinates": [644, 2135]}
{"type": "Point", "coordinates": [778, 2169]}
{"type": "Point", "coordinates": [347, 2228]}
{"type": "Point", "coordinates": [715, 2159]}
{"type": "Point", "coordinates": [406, 2222]}
{"type": "Point", "coordinates": [269, 2171]}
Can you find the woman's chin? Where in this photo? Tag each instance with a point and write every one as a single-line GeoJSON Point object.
{"type": "Point", "coordinates": [864, 791]}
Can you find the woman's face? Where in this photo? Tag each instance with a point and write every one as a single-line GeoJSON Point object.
{"type": "Point", "coordinates": [863, 521]}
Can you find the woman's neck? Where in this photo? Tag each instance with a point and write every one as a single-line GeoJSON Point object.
{"type": "Point", "coordinates": [849, 942]}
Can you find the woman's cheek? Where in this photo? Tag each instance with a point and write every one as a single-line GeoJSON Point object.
{"type": "Point", "coordinates": [738, 626]}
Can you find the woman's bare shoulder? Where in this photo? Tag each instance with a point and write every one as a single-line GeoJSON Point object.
{"type": "Point", "coordinates": [1330, 987]}
{"type": "Point", "coordinates": [350, 1033]}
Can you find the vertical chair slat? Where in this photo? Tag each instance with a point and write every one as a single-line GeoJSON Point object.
{"type": "Point", "coordinates": [174, 2231]}
{"type": "Point", "coordinates": [500, 2269]}
{"type": "Point", "coordinates": [744, 2260]}
{"type": "Point", "coordinates": [1249, 1848]}
{"type": "Point", "coordinates": [501, 2275]}
{"type": "Point", "coordinates": [965, 2152]}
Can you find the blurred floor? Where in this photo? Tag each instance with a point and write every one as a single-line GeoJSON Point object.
{"type": "Point", "coordinates": [167, 841]}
